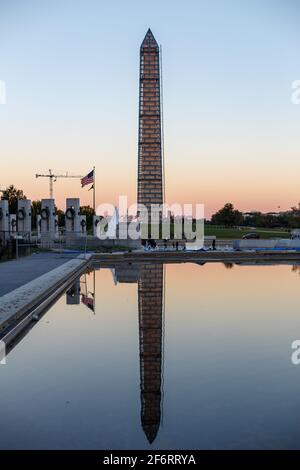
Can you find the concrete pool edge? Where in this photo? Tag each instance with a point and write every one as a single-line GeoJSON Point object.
{"type": "Point", "coordinates": [207, 256]}
{"type": "Point", "coordinates": [22, 300]}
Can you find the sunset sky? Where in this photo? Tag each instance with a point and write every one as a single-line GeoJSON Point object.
{"type": "Point", "coordinates": [232, 133]}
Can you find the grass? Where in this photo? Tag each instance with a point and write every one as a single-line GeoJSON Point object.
{"type": "Point", "coordinates": [235, 233]}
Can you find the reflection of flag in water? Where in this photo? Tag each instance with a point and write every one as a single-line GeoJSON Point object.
{"type": "Point", "coordinates": [88, 301]}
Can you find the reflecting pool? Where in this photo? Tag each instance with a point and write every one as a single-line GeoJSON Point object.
{"type": "Point", "coordinates": [176, 356]}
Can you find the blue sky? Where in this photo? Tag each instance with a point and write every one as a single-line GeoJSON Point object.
{"type": "Point", "coordinates": [71, 74]}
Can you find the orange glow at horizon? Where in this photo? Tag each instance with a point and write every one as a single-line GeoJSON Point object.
{"type": "Point", "coordinates": [213, 192]}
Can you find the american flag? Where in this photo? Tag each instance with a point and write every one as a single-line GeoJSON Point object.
{"type": "Point", "coordinates": [87, 301]}
{"type": "Point", "coordinates": [88, 179]}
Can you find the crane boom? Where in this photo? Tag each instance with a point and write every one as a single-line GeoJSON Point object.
{"type": "Point", "coordinates": [52, 178]}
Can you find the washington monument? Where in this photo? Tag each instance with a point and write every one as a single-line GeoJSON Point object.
{"type": "Point", "coordinates": [150, 168]}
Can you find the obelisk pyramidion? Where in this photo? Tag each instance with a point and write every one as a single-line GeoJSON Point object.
{"type": "Point", "coordinates": [150, 177]}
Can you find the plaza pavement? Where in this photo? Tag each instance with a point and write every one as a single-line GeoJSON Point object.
{"type": "Point", "coordinates": [16, 273]}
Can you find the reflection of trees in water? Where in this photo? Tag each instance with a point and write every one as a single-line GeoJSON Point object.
{"type": "Point", "coordinates": [228, 265]}
{"type": "Point", "coordinates": [150, 303]}
{"type": "Point", "coordinates": [296, 268]}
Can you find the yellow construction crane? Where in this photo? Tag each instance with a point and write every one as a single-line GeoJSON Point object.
{"type": "Point", "coordinates": [53, 178]}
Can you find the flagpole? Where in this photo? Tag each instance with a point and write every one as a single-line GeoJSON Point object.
{"type": "Point", "coordinates": [94, 191]}
{"type": "Point", "coordinates": [94, 291]}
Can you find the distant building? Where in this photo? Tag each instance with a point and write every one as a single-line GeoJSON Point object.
{"type": "Point", "coordinates": [248, 214]}
{"type": "Point", "coordinates": [273, 214]}
{"type": "Point", "coordinates": [253, 213]}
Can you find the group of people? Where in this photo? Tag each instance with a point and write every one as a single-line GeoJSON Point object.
{"type": "Point", "coordinates": [151, 244]}
{"type": "Point", "coordinates": [175, 245]}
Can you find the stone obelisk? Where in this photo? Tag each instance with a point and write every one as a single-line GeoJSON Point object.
{"type": "Point", "coordinates": [150, 168]}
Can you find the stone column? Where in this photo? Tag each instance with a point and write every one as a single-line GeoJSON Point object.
{"type": "Point", "coordinates": [24, 217]}
{"type": "Point", "coordinates": [38, 225]}
{"type": "Point", "coordinates": [4, 220]}
{"type": "Point", "coordinates": [82, 222]}
{"type": "Point", "coordinates": [73, 294]}
{"type": "Point", "coordinates": [12, 224]}
{"type": "Point", "coordinates": [96, 222]}
{"type": "Point", "coordinates": [72, 214]}
{"type": "Point", "coordinates": [56, 226]}
{"type": "Point", "coordinates": [47, 222]}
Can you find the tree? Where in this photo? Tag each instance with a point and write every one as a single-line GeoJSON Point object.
{"type": "Point", "coordinates": [12, 195]}
{"type": "Point", "coordinates": [296, 210]}
{"type": "Point", "coordinates": [35, 210]}
{"type": "Point", "coordinates": [227, 216]}
{"type": "Point", "coordinates": [61, 217]}
{"type": "Point", "coordinates": [88, 211]}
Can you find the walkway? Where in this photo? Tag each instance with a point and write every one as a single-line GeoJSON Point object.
{"type": "Point", "coordinates": [16, 273]}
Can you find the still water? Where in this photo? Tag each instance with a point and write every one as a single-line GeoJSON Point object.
{"type": "Point", "coordinates": [180, 356]}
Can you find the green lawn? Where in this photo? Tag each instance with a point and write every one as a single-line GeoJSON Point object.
{"type": "Point", "coordinates": [229, 233]}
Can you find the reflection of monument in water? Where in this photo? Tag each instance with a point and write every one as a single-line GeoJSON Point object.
{"type": "Point", "coordinates": [150, 303]}
{"type": "Point", "coordinates": [150, 279]}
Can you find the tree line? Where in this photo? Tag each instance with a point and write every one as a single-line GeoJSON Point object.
{"type": "Point", "coordinates": [228, 216]}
